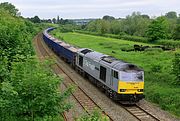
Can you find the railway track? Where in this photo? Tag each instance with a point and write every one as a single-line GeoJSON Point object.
{"type": "Point", "coordinates": [140, 113]}
{"type": "Point", "coordinates": [79, 95]}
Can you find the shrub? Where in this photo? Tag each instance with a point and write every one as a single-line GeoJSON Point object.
{"type": "Point", "coordinates": [32, 94]}
{"type": "Point", "coordinates": [176, 68]}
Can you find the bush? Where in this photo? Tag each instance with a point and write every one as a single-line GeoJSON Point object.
{"type": "Point", "coordinates": [32, 94]}
{"type": "Point", "coordinates": [28, 89]}
{"type": "Point", "coordinates": [176, 68]}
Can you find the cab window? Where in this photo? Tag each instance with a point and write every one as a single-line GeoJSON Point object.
{"type": "Point", "coordinates": [115, 74]}
{"type": "Point", "coordinates": [81, 61]}
{"type": "Point", "coordinates": [103, 73]}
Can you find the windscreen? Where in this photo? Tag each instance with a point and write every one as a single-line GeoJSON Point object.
{"type": "Point", "coordinates": [132, 76]}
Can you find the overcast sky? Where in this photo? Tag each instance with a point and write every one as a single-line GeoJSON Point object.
{"type": "Point", "coordinates": [93, 8]}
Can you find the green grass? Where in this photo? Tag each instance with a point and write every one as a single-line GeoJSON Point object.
{"type": "Point", "coordinates": [159, 86]}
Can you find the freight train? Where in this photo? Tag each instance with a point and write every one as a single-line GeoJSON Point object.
{"type": "Point", "coordinates": [120, 80]}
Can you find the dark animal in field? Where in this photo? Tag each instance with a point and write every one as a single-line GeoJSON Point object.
{"type": "Point", "coordinates": [140, 48]}
{"type": "Point", "coordinates": [144, 48]}
{"type": "Point", "coordinates": [156, 46]}
{"type": "Point", "coordinates": [137, 48]}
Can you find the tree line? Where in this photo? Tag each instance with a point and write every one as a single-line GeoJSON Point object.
{"type": "Point", "coordinates": [163, 27]}
{"type": "Point", "coordinates": [136, 24]}
{"type": "Point", "coordinates": [59, 20]}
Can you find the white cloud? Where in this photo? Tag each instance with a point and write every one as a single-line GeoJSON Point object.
{"type": "Point", "coordinates": [93, 8]}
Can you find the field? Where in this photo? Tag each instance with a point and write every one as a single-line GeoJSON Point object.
{"type": "Point", "coordinates": [159, 87]}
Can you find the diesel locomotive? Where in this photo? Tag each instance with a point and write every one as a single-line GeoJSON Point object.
{"type": "Point", "coordinates": [120, 80]}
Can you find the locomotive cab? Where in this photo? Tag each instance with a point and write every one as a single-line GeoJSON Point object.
{"type": "Point", "coordinates": [131, 83]}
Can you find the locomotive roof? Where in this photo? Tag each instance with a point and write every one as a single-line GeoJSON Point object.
{"type": "Point", "coordinates": [109, 60]}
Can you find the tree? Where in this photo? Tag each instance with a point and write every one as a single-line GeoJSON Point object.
{"type": "Point", "coordinates": [36, 19]}
{"type": "Point", "coordinates": [54, 21]}
{"type": "Point", "coordinates": [158, 29]}
{"type": "Point", "coordinates": [171, 15]}
{"type": "Point", "coordinates": [58, 20]}
{"type": "Point", "coordinates": [108, 18]}
{"type": "Point", "coordinates": [176, 34]}
{"type": "Point", "coordinates": [46, 20]}
{"type": "Point", "coordinates": [103, 26]}
{"type": "Point", "coordinates": [145, 16]}
{"type": "Point", "coordinates": [116, 27]}
{"type": "Point", "coordinates": [135, 24]}
{"type": "Point", "coordinates": [92, 26]}
{"type": "Point", "coordinates": [49, 21]}
{"type": "Point", "coordinates": [10, 8]}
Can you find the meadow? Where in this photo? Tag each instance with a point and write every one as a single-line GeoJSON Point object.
{"type": "Point", "coordinates": [157, 64]}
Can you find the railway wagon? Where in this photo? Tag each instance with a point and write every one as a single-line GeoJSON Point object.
{"type": "Point", "coordinates": [121, 81]}
{"type": "Point", "coordinates": [62, 49]}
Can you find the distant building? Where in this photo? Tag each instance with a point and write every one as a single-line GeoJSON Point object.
{"type": "Point", "coordinates": [82, 21]}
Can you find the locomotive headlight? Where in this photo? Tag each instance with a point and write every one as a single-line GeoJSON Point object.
{"type": "Point", "coordinates": [122, 90]}
{"type": "Point", "coordinates": [140, 90]}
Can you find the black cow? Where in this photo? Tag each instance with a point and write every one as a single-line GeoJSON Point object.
{"type": "Point", "coordinates": [137, 47]}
